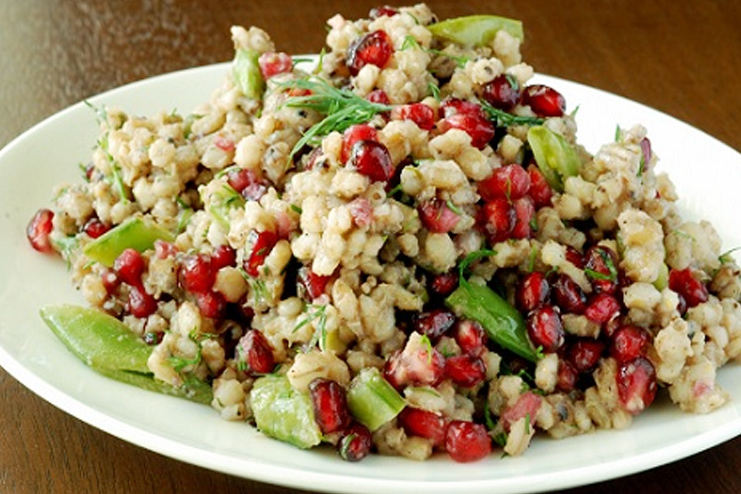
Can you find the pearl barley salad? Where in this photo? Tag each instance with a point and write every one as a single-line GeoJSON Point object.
{"type": "Point", "coordinates": [400, 249]}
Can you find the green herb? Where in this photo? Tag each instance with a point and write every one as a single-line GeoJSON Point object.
{"type": "Point", "coordinates": [532, 257]}
{"type": "Point", "coordinates": [453, 207]}
{"type": "Point", "coordinates": [596, 275]}
{"type": "Point", "coordinates": [470, 258]}
{"type": "Point", "coordinates": [488, 417]}
{"type": "Point", "coordinates": [320, 336]}
{"type": "Point", "coordinates": [428, 347]}
{"type": "Point", "coordinates": [726, 257]}
{"type": "Point", "coordinates": [65, 246]}
{"type": "Point", "coordinates": [527, 423]}
{"type": "Point", "coordinates": [503, 119]}
{"type": "Point", "coordinates": [501, 439]}
{"type": "Point", "coordinates": [411, 42]}
{"type": "Point", "coordinates": [618, 133]}
{"type": "Point", "coordinates": [398, 188]}
{"type": "Point", "coordinates": [101, 112]}
{"type": "Point", "coordinates": [434, 90]}
{"type": "Point", "coordinates": [641, 166]}
{"type": "Point", "coordinates": [296, 209]}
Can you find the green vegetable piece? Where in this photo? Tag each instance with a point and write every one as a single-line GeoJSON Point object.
{"type": "Point", "coordinates": [372, 400]}
{"type": "Point", "coordinates": [476, 30]}
{"type": "Point", "coordinates": [221, 201]}
{"type": "Point", "coordinates": [135, 233]}
{"type": "Point", "coordinates": [107, 346]}
{"type": "Point", "coordinates": [247, 73]}
{"type": "Point", "coordinates": [502, 322]}
{"type": "Point", "coordinates": [555, 157]}
{"type": "Point", "coordinates": [283, 412]}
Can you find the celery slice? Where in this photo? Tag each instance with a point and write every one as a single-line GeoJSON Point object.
{"type": "Point", "coordinates": [372, 400]}
{"type": "Point", "coordinates": [135, 233]}
{"type": "Point", "coordinates": [247, 73]}
{"type": "Point", "coordinates": [476, 30]}
{"type": "Point", "coordinates": [555, 157]}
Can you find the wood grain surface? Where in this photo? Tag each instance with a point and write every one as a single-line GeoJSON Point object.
{"type": "Point", "coordinates": [678, 56]}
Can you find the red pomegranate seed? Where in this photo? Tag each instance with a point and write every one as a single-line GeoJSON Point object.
{"type": "Point", "coordinates": [353, 134]}
{"type": "Point", "coordinates": [211, 304]}
{"type": "Point", "coordinates": [421, 367]}
{"type": "Point", "coordinates": [443, 284]}
{"type": "Point", "coordinates": [602, 307]}
{"type": "Point", "coordinates": [254, 350]}
{"type": "Point", "coordinates": [330, 405]}
{"type": "Point", "coordinates": [532, 291]}
{"type": "Point", "coordinates": [628, 342]}
{"type": "Point", "coordinates": [527, 404]}
{"type": "Point", "coordinates": [378, 96]}
{"type": "Point", "coordinates": [423, 423]}
{"type": "Point", "coordinates": [465, 370]}
{"type": "Point", "coordinates": [451, 106]}
{"type": "Point", "coordinates": [262, 243]}
{"type": "Point", "coordinates": [584, 353]}
{"type": "Point", "coordinates": [470, 337]}
{"type": "Point", "coordinates": [272, 64]}
{"type": "Point", "coordinates": [692, 290]}
{"type": "Point", "coordinates": [544, 101]}
{"type": "Point", "coordinates": [503, 92]}
{"type": "Point", "coordinates": [467, 441]}
{"type": "Point", "coordinates": [241, 178]}
{"type": "Point", "coordinates": [356, 443]}
{"type": "Point", "coordinates": [497, 219]}
{"type": "Point", "coordinates": [110, 280]}
{"type": "Point", "coordinates": [437, 216]}
{"type": "Point", "coordinates": [434, 323]}
{"type": "Point", "coordinates": [94, 228]}
{"type": "Point", "coordinates": [545, 329]}
{"type": "Point", "coordinates": [223, 256]}
{"type": "Point", "coordinates": [129, 266]}
{"type": "Point", "coordinates": [224, 143]}
{"type": "Point", "coordinates": [524, 216]}
{"type": "Point", "coordinates": [568, 295]}
{"type": "Point", "coordinates": [421, 114]}
{"type": "Point", "coordinates": [508, 181]}
{"type": "Point", "coordinates": [39, 229]}
{"type": "Point", "coordinates": [197, 273]}
{"type": "Point", "coordinates": [141, 304]}
{"type": "Point", "coordinates": [646, 153]}
{"type": "Point", "coordinates": [374, 48]}
{"type": "Point", "coordinates": [574, 257]}
{"type": "Point", "coordinates": [540, 191]}
{"type": "Point", "coordinates": [377, 12]}
{"type": "Point", "coordinates": [600, 265]}
{"type": "Point", "coordinates": [311, 285]}
{"type": "Point", "coordinates": [373, 160]}
{"type": "Point", "coordinates": [636, 383]}
{"type": "Point", "coordinates": [480, 129]}
{"type": "Point", "coordinates": [164, 250]}
{"type": "Point", "coordinates": [566, 377]}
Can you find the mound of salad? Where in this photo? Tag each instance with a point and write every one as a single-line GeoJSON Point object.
{"type": "Point", "coordinates": [397, 247]}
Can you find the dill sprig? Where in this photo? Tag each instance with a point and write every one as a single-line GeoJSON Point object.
{"type": "Point", "coordinates": [503, 119]}
{"type": "Point", "coordinates": [341, 108]}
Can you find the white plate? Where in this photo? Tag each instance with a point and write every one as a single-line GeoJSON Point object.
{"type": "Point", "coordinates": [706, 172]}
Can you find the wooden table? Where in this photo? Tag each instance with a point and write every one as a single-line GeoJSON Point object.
{"type": "Point", "coordinates": [678, 56]}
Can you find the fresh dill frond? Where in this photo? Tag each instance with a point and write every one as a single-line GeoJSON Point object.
{"type": "Point", "coordinates": [503, 119]}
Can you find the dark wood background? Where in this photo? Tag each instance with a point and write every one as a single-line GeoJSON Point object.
{"type": "Point", "coordinates": [678, 56]}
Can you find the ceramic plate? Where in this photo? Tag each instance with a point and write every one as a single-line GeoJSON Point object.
{"type": "Point", "coordinates": [705, 171]}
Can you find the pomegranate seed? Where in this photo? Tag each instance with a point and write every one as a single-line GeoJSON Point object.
{"type": "Point", "coordinates": [524, 209]}
{"type": "Point", "coordinates": [241, 178]}
{"type": "Point", "coordinates": [503, 92]}
{"type": "Point", "coordinates": [612, 325]}
{"type": "Point", "coordinates": [444, 284]}
{"type": "Point", "coordinates": [467, 441]}
{"type": "Point", "coordinates": [568, 295]}
{"type": "Point", "coordinates": [681, 305]}
{"type": "Point", "coordinates": [508, 181]}
{"type": "Point", "coordinates": [373, 160]}
{"type": "Point", "coordinates": [315, 156]}
{"type": "Point", "coordinates": [423, 423]}
{"type": "Point", "coordinates": [532, 291]}
{"type": "Point", "coordinates": [353, 134]}
{"type": "Point", "coordinates": [222, 257]}
{"type": "Point", "coordinates": [584, 354]}
{"type": "Point", "coordinates": [646, 153]}
{"type": "Point", "coordinates": [465, 370]}
{"type": "Point", "coordinates": [110, 280]}
{"type": "Point", "coordinates": [600, 265]}
{"type": "Point", "coordinates": [497, 219]}
{"type": "Point", "coordinates": [262, 244]}
{"type": "Point", "coordinates": [418, 366]}
{"type": "Point", "coordinates": [330, 405]}
{"type": "Point", "coordinates": [544, 101]}
{"type": "Point", "coordinates": [272, 64]}
{"type": "Point", "coordinates": [152, 338]}
{"type": "Point", "coordinates": [566, 377]}
{"type": "Point", "coordinates": [141, 304]}
{"type": "Point", "coordinates": [254, 350]}
{"type": "Point", "coordinates": [451, 106]}
{"type": "Point", "coordinates": [129, 266]}
{"type": "Point", "coordinates": [470, 337]}
{"type": "Point", "coordinates": [528, 403]}
{"type": "Point", "coordinates": [211, 304]}
{"type": "Point", "coordinates": [545, 329]}
{"type": "Point", "coordinates": [437, 216]}
{"type": "Point", "coordinates": [636, 383]}
{"type": "Point", "coordinates": [94, 228]}
{"type": "Point", "coordinates": [164, 250]}
{"type": "Point", "coordinates": [574, 257]}
{"type": "Point", "coordinates": [377, 12]}
{"type": "Point", "coordinates": [39, 229]}
{"type": "Point", "coordinates": [421, 114]}
{"type": "Point", "coordinates": [480, 129]}
{"type": "Point", "coordinates": [692, 290]}
{"type": "Point", "coordinates": [197, 273]}
{"type": "Point", "coordinates": [602, 308]}
{"type": "Point", "coordinates": [378, 96]}
{"type": "Point", "coordinates": [224, 143]}
{"type": "Point", "coordinates": [629, 342]}
{"type": "Point", "coordinates": [374, 48]}
{"type": "Point", "coordinates": [311, 285]}
{"type": "Point", "coordinates": [434, 324]}
{"type": "Point", "coordinates": [356, 443]}
{"type": "Point", "coordinates": [540, 191]}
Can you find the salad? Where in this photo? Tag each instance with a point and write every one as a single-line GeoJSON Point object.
{"type": "Point", "coordinates": [398, 246]}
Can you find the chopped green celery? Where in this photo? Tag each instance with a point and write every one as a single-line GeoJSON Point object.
{"type": "Point", "coordinates": [247, 73]}
{"type": "Point", "coordinates": [662, 280]}
{"type": "Point", "coordinates": [107, 346]}
{"type": "Point", "coordinates": [502, 322]}
{"type": "Point", "coordinates": [283, 412]}
{"type": "Point", "coordinates": [221, 201]}
{"type": "Point", "coordinates": [556, 158]}
{"type": "Point", "coordinates": [372, 400]}
{"type": "Point", "coordinates": [135, 233]}
{"type": "Point", "coordinates": [476, 30]}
